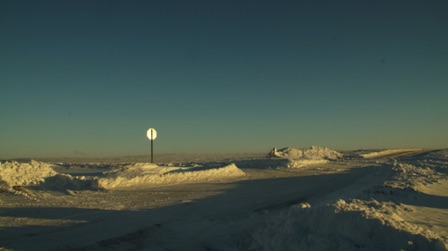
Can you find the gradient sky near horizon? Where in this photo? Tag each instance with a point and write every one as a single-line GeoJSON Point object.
{"type": "Point", "coordinates": [88, 78]}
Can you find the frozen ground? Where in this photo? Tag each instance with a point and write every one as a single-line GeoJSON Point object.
{"type": "Point", "coordinates": [390, 199]}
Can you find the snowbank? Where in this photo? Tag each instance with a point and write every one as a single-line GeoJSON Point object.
{"type": "Point", "coordinates": [389, 152]}
{"type": "Point", "coordinates": [373, 220]}
{"type": "Point", "coordinates": [64, 182]}
{"type": "Point", "coordinates": [297, 158]}
{"type": "Point", "coordinates": [153, 175]}
{"type": "Point", "coordinates": [443, 154]}
{"type": "Point", "coordinates": [352, 225]}
{"type": "Point", "coordinates": [297, 163]}
{"type": "Point", "coordinates": [278, 163]}
{"type": "Point", "coordinates": [138, 169]}
{"type": "Point", "coordinates": [24, 174]}
{"type": "Point", "coordinates": [414, 178]}
{"type": "Point", "coordinates": [314, 152]}
{"type": "Point", "coordinates": [40, 176]}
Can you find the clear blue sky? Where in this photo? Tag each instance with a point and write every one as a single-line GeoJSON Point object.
{"type": "Point", "coordinates": [88, 78]}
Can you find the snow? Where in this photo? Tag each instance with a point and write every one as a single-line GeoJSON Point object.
{"type": "Point", "coordinates": [314, 152]}
{"type": "Point", "coordinates": [298, 158]}
{"type": "Point", "coordinates": [278, 163]}
{"type": "Point", "coordinates": [408, 176]}
{"type": "Point", "coordinates": [42, 176]}
{"type": "Point", "coordinates": [22, 174]}
{"type": "Point", "coordinates": [15, 176]}
{"type": "Point", "coordinates": [150, 175]}
{"type": "Point", "coordinates": [389, 152]}
{"type": "Point", "coordinates": [305, 162]}
{"type": "Point", "coordinates": [393, 199]}
{"type": "Point", "coordinates": [443, 154]}
{"type": "Point", "coordinates": [346, 225]}
{"type": "Point", "coordinates": [373, 221]}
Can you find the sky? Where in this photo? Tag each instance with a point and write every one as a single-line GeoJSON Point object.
{"type": "Point", "coordinates": [88, 78]}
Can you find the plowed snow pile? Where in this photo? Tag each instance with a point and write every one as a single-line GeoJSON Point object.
{"type": "Point", "coordinates": [24, 174]}
{"type": "Point", "coordinates": [345, 225]}
{"type": "Point", "coordinates": [305, 157]}
{"type": "Point", "coordinates": [151, 175]}
{"type": "Point", "coordinates": [39, 175]}
{"type": "Point", "coordinates": [410, 177]}
{"type": "Point", "coordinates": [376, 219]}
{"type": "Point", "coordinates": [314, 152]}
{"type": "Point", "coordinates": [439, 154]}
{"type": "Point", "coordinates": [389, 152]}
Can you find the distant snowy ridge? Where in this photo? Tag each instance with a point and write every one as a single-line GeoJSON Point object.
{"type": "Point", "coordinates": [152, 175]}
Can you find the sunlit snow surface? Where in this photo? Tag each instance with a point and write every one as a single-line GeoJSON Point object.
{"type": "Point", "coordinates": [289, 199]}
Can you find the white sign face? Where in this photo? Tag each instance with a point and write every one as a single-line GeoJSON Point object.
{"type": "Point", "coordinates": [151, 134]}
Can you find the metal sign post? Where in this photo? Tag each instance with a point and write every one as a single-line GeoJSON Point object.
{"type": "Point", "coordinates": [152, 135]}
{"type": "Point", "coordinates": [152, 149]}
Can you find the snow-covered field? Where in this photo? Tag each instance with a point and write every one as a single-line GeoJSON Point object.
{"type": "Point", "coordinates": [290, 199]}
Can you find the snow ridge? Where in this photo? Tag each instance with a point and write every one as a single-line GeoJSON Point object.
{"type": "Point", "coordinates": [23, 174]}
{"type": "Point", "coordinates": [150, 175]}
{"type": "Point", "coordinates": [370, 221]}
{"type": "Point", "coordinates": [314, 152]}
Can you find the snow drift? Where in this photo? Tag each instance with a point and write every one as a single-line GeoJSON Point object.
{"type": "Point", "coordinates": [152, 175]}
{"type": "Point", "coordinates": [389, 152]}
{"type": "Point", "coordinates": [40, 176]}
{"type": "Point", "coordinates": [314, 152]}
{"type": "Point", "coordinates": [373, 220]}
{"type": "Point", "coordinates": [345, 225]}
{"type": "Point", "coordinates": [442, 154]}
{"type": "Point", "coordinates": [278, 163]}
{"type": "Point", "coordinates": [24, 174]}
{"type": "Point", "coordinates": [411, 177]}
{"type": "Point", "coordinates": [304, 157]}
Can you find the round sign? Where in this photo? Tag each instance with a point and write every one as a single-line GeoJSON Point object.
{"type": "Point", "coordinates": [151, 134]}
